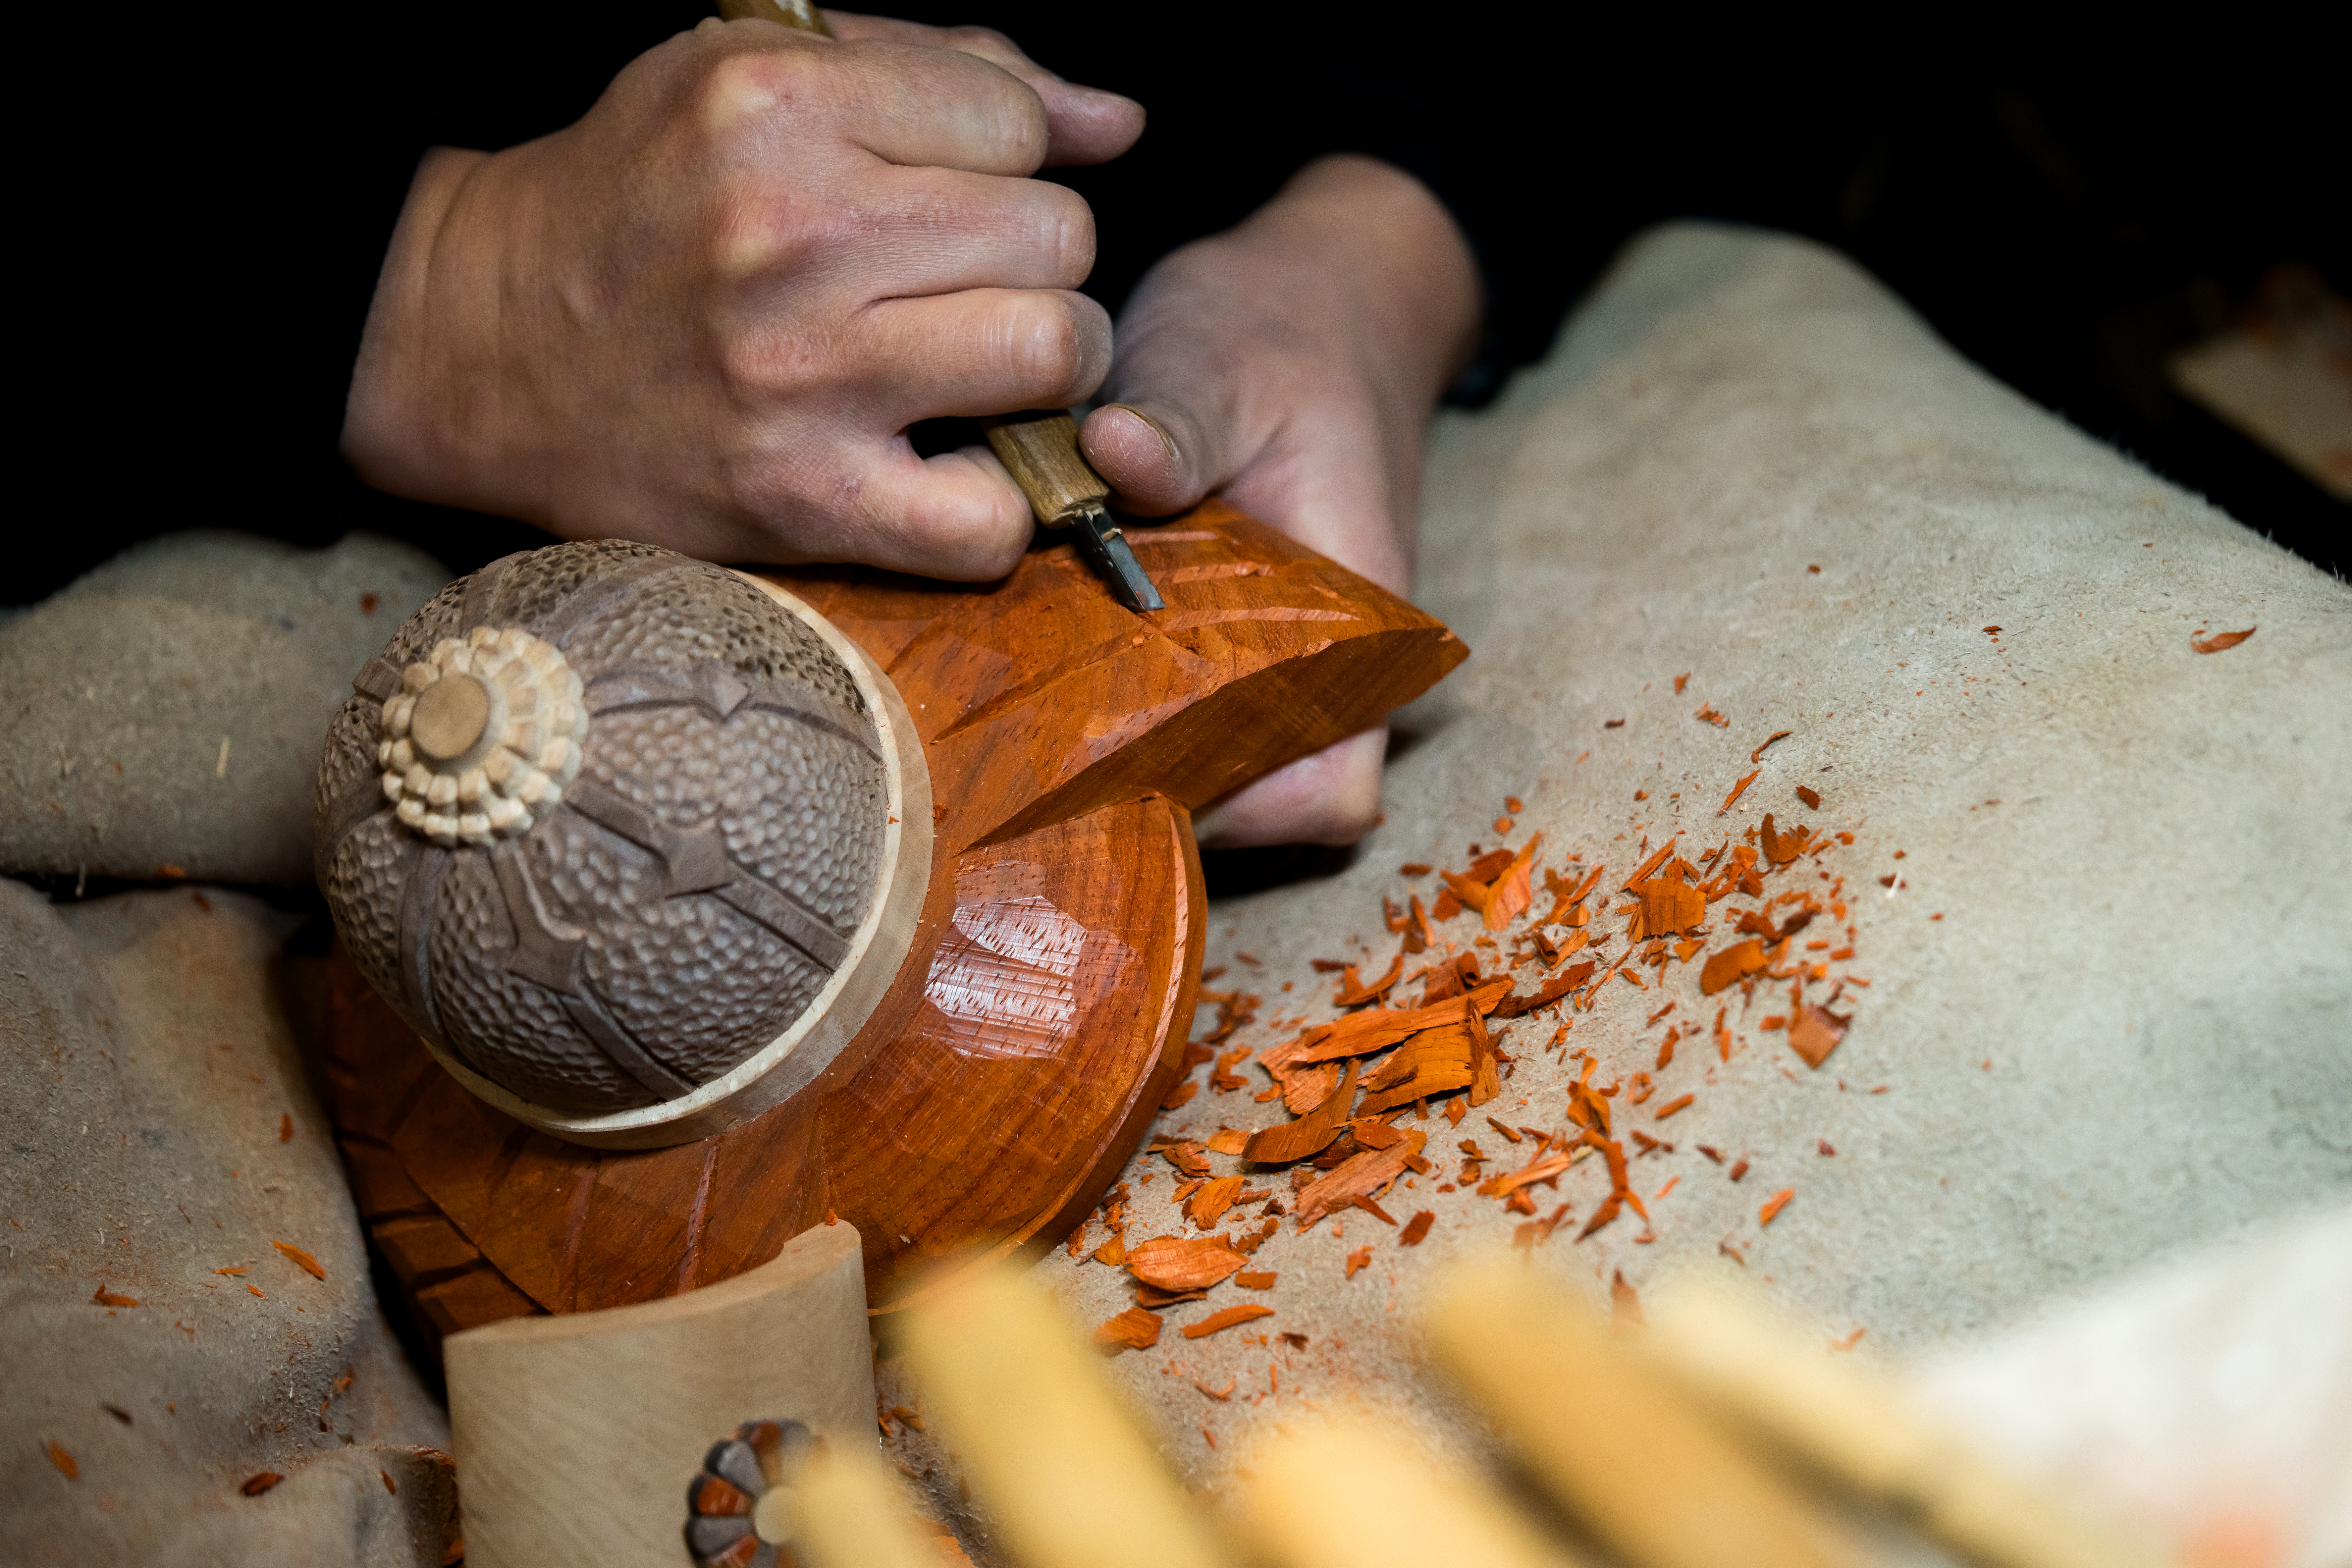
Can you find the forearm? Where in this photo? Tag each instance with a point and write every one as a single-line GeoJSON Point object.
{"type": "Point", "coordinates": [402, 432]}
{"type": "Point", "coordinates": [1399, 274]}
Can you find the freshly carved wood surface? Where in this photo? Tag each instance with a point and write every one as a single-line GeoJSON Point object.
{"type": "Point", "coordinates": [1042, 1006]}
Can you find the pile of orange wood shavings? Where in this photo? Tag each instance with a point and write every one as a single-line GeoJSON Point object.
{"type": "Point", "coordinates": [1759, 922]}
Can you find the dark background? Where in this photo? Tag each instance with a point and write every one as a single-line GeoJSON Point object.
{"type": "Point", "coordinates": [205, 209]}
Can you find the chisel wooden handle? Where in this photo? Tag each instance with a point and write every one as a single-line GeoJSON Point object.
{"type": "Point", "coordinates": [1040, 450]}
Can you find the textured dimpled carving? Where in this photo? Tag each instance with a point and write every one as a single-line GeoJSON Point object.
{"type": "Point", "coordinates": [602, 822]}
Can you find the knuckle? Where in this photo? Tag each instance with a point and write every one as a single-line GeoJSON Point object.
{"type": "Point", "coordinates": [1069, 232]}
{"type": "Point", "coordinates": [986, 42]}
{"type": "Point", "coordinates": [736, 89]}
{"type": "Point", "coordinates": [1054, 339]}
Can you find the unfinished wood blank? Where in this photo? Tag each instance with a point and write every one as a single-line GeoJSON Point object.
{"type": "Point", "coordinates": [576, 1436]}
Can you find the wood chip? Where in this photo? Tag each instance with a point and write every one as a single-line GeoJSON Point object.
{"type": "Point", "coordinates": [1782, 848]}
{"type": "Point", "coordinates": [255, 1485]}
{"type": "Point", "coordinates": [106, 1298]}
{"type": "Point", "coordinates": [1182, 1263]}
{"type": "Point", "coordinates": [1509, 896]}
{"type": "Point", "coordinates": [1227, 1140]}
{"type": "Point", "coordinates": [1816, 1032]}
{"type": "Point", "coordinates": [1672, 1106]}
{"type": "Point", "coordinates": [302, 1260]}
{"type": "Point", "coordinates": [1542, 1168]}
{"type": "Point", "coordinates": [1774, 1204]}
{"type": "Point", "coordinates": [1416, 1229]}
{"type": "Point", "coordinates": [2215, 644]}
{"type": "Point", "coordinates": [1670, 906]}
{"type": "Point", "coordinates": [1652, 864]}
{"type": "Point", "coordinates": [1736, 790]}
{"type": "Point", "coordinates": [65, 1462]}
{"type": "Point", "coordinates": [1363, 1173]}
{"type": "Point", "coordinates": [1812, 797]}
{"type": "Point", "coordinates": [1208, 1204]}
{"type": "Point", "coordinates": [1359, 1258]}
{"type": "Point", "coordinates": [1434, 1061]}
{"type": "Point", "coordinates": [1550, 991]}
{"type": "Point", "coordinates": [1308, 1134]}
{"type": "Point", "coordinates": [1225, 1317]}
{"type": "Point", "coordinates": [1152, 1296]}
{"type": "Point", "coordinates": [1757, 754]}
{"type": "Point", "coordinates": [1731, 965]}
{"type": "Point", "coordinates": [1354, 993]}
{"type": "Point", "coordinates": [1133, 1330]}
{"type": "Point", "coordinates": [1263, 1280]}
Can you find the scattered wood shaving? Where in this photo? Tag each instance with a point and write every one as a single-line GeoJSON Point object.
{"type": "Point", "coordinates": [1730, 965]}
{"type": "Point", "coordinates": [2216, 643]}
{"type": "Point", "coordinates": [1359, 1258]}
{"type": "Point", "coordinates": [1816, 1032]}
{"type": "Point", "coordinates": [1208, 1204]}
{"type": "Point", "coordinates": [302, 1260]}
{"type": "Point", "coordinates": [1224, 1318]}
{"type": "Point", "coordinates": [1774, 1204]}
{"type": "Point", "coordinates": [1133, 1330]}
{"type": "Point", "coordinates": [1308, 1134]}
{"type": "Point", "coordinates": [1182, 1263]}
{"type": "Point", "coordinates": [1362, 1173]}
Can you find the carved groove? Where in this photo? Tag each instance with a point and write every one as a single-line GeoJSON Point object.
{"type": "Point", "coordinates": [596, 1022]}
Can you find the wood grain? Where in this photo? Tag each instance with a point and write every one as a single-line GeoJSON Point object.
{"type": "Point", "coordinates": [1042, 1010]}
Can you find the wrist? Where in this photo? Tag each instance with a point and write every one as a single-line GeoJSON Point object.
{"type": "Point", "coordinates": [1390, 262]}
{"type": "Point", "coordinates": [409, 411]}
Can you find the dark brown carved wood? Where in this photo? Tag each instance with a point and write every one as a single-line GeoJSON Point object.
{"type": "Point", "coordinates": [1042, 1012]}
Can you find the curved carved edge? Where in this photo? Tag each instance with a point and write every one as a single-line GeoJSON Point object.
{"type": "Point", "coordinates": [482, 1218]}
{"type": "Point", "coordinates": [1265, 652]}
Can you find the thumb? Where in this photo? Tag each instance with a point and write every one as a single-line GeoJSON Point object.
{"type": "Point", "coordinates": [1161, 455]}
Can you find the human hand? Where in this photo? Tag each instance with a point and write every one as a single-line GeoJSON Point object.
{"type": "Point", "coordinates": [1292, 362]}
{"type": "Point", "coordinates": [705, 315]}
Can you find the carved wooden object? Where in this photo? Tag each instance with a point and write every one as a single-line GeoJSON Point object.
{"type": "Point", "coordinates": [1041, 1012]}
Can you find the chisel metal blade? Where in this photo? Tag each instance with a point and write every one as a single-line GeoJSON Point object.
{"type": "Point", "coordinates": [1100, 537]}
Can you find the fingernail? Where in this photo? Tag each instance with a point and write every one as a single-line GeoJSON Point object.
{"type": "Point", "coordinates": [1166, 440]}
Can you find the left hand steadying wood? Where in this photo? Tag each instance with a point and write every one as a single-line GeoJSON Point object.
{"type": "Point", "coordinates": [1293, 363]}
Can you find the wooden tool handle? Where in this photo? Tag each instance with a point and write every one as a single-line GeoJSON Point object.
{"type": "Point", "coordinates": [791, 13]}
{"type": "Point", "coordinates": [1040, 449]}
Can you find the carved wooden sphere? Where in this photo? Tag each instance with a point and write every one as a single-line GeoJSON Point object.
{"type": "Point", "coordinates": [618, 833]}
